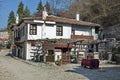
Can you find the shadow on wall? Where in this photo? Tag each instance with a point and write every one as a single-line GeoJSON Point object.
{"type": "Point", "coordinates": [112, 73]}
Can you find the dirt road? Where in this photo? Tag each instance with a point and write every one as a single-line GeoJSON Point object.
{"type": "Point", "coordinates": [15, 69]}
{"type": "Point", "coordinates": [12, 68]}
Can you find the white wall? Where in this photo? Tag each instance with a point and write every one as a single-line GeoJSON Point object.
{"type": "Point", "coordinates": [66, 32]}
{"type": "Point", "coordinates": [4, 34]}
{"type": "Point", "coordinates": [34, 37]}
{"type": "Point", "coordinates": [79, 30]}
{"type": "Point", "coordinates": [50, 31]}
{"type": "Point", "coordinates": [28, 51]}
{"type": "Point", "coordinates": [58, 54]}
{"type": "Point", "coordinates": [94, 34]}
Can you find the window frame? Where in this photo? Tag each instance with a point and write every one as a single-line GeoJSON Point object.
{"type": "Point", "coordinates": [59, 30]}
{"type": "Point", "coordinates": [33, 29]}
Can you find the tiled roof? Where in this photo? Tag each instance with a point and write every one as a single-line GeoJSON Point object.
{"type": "Point", "coordinates": [3, 39]}
{"type": "Point", "coordinates": [64, 20]}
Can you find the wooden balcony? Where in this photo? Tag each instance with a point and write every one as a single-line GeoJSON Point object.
{"type": "Point", "coordinates": [82, 37]}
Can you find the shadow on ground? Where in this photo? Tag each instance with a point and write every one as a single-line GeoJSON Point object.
{"type": "Point", "coordinates": [10, 55]}
{"type": "Point", "coordinates": [111, 73]}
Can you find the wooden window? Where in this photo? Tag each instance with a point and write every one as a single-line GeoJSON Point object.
{"type": "Point", "coordinates": [59, 31]}
{"type": "Point", "coordinates": [33, 29]}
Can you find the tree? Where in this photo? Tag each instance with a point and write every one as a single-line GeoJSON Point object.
{"type": "Point", "coordinates": [59, 6]}
{"type": "Point", "coordinates": [11, 21]}
{"type": "Point", "coordinates": [48, 9]}
{"type": "Point", "coordinates": [39, 9]}
{"type": "Point", "coordinates": [55, 7]}
{"type": "Point", "coordinates": [26, 12]}
{"type": "Point", "coordinates": [20, 10]}
{"type": "Point", "coordinates": [103, 12]}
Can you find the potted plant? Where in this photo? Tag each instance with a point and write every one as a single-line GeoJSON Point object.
{"type": "Point", "coordinates": [59, 62]}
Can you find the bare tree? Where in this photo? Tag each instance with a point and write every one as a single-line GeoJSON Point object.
{"type": "Point", "coordinates": [58, 6]}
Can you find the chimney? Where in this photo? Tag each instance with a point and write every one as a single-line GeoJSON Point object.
{"type": "Point", "coordinates": [77, 17]}
{"type": "Point", "coordinates": [44, 14]}
{"type": "Point", "coordinates": [17, 19]}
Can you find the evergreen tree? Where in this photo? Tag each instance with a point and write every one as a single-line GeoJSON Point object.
{"type": "Point", "coordinates": [26, 12]}
{"type": "Point", "coordinates": [39, 9]}
{"type": "Point", "coordinates": [11, 21]}
{"type": "Point", "coordinates": [48, 7]}
{"type": "Point", "coordinates": [20, 10]}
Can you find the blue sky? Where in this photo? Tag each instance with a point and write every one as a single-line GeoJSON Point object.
{"type": "Point", "coordinates": [7, 5]}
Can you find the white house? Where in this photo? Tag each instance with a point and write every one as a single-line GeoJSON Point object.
{"type": "Point", "coordinates": [4, 37]}
{"type": "Point", "coordinates": [49, 27]}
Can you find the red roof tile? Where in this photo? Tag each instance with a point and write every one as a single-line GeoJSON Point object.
{"type": "Point", "coordinates": [3, 39]}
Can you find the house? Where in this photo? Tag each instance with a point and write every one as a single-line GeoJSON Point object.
{"type": "Point", "coordinates": [50, 36]}
{"type": "Point", "coordinates": [4, 37]}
